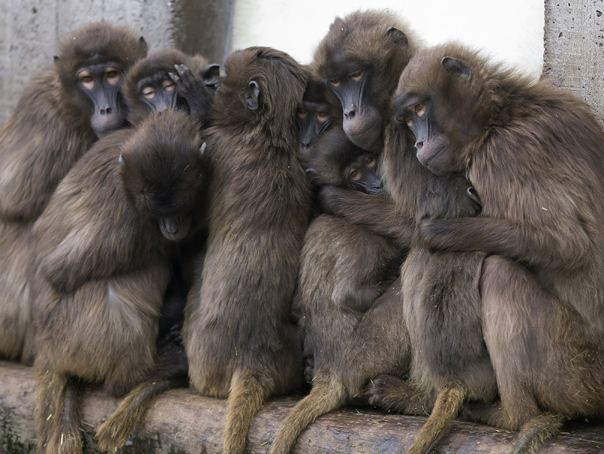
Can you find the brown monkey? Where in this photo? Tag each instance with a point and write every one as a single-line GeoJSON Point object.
{"type": "Point", "coordinates": [361, 59]}
{"type": "Point", "coordinates": [104, 254]}
{"type": "Point", "coordinates": [320, 110]}
{"type": "Point", "coordinates": [60, 114]}
{"type": "Point", "coordinates": [150, 88]}
{"type": "Point", "coordinates": [345, 295]}
{"type": "Point", "coordinates": [239, 338]}
{"type": "Point", "coordinates": [535, 155]}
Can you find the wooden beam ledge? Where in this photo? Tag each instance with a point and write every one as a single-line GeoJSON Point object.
{"type": "Point", "coordinates": [181, 422]}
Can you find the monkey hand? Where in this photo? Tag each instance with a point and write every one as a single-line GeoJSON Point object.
{"type": "Point", "coordinates": [194, 91]}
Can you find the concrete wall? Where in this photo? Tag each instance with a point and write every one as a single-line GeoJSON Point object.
{"type": "Point", "coordinates": [29, 30]}
{"type": "Point", "coordinates": [574, 32]}
{"type": "Point", "coordinates": [574, 49]}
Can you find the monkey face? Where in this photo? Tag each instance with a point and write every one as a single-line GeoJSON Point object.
{"type": "Point", "coordinates": [313, 118]}
{"type": "Point", "coordinates": [100, 85]}
{"type": "Point", "coordinates": [433, 147]}
{"type": "Point", "coordinates": [362, 175]}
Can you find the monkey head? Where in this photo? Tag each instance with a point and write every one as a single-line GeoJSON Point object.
{"type": "Point", "coordinates": [164, 172]}
{"type": "Point", "coordinates": [92, 64]}
{"type": "Point", "coordinates": [338, 162]}
{"type": "Point", "coordinates": [439, 100]}
{"type": "Point", "coordinates": [361, 59]}
{"type": "Point", "coordinates": [262, 86]}
{"type": "Point", "coordinates": [319, 109]}
{"type": "Point", "coordinates": [150, 89]}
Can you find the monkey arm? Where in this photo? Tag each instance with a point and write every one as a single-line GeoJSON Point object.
{"type": "Point", "coordinates": [551, 245]}
{"type": "Point", "coordinates": [193, 90]}
{"type": "Point", "coordinates": [376, 213]}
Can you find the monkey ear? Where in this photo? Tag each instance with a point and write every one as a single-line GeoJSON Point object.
{"type": "Point", "coordinates": [211, 75]}
{"type": "Point", "coordinates": [143, 45]}
{"type": "Point", "coordinates": [252, 94]}
{"type": "Point", "coordinates": [397, 36]}
{"type": "Point", "coordinates": [122, 162]}
{"type": "Point", "coordinates": [202, 149]}
{"type": "Point", "coordinates": [457, 66]}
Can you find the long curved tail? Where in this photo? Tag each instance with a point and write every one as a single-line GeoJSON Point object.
{"type": "Point", "coordinates": [248, 393]}
{"type": "Point", "coordinates": [537, 431]}
{"type": "Point", "coordinates": [326, 395]}
{"type": "Point", "coordinates": [448, 404]}
{"type": "Point", "coordinates": [114, 433]}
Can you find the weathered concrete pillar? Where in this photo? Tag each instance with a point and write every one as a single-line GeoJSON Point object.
{"type": "Point", "coordinates": [574, 49]}
{"type": "Point", "coordinates": [30, 29]}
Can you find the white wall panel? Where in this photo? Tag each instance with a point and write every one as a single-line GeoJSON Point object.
{"type": "Point", "coordinates": [510, 31]}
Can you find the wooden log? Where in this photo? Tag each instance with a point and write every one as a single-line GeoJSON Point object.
{"type": "Point", "coordinates": [181, 422]}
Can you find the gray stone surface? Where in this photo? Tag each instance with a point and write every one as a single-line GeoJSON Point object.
{"type": "Point", "coordinates": [30, 29]}
{"type": "Point", "coordinates": [574, 49]}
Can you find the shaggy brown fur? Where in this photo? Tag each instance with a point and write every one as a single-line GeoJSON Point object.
{"type": "Point", "coordinates": [104, 266]}
{"type": "Point", "coordinates": [348, 334]}
{"type": "Point", "coordinates": [240, 340]}
{"type": "Point", "coordinates": [361, 59]}
{"type": "Point", "coordinates": [442, 299]}
{"type": "Point", "coordinates": [535, 156]}
{"type": "Point", "coordinates": [46, 134]}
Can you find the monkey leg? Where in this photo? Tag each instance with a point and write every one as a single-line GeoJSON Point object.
{"type": "Point", "coordinates": [249, 391]}
{"type": "Point", "coordinates": [114, 433]}
{"type": "Point", "coordinates": [327, 394]}
{"type": "Point", "coordinates": [58, 415]}
{"type": "Point", "coordinates": [393, 393]}
{"type": "Point", "coordinates": [449, 402]}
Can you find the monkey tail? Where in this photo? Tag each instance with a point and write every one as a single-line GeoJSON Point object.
{"type": "Point", "coordinates": [325, 396]}
{"type": "Point", "coordinates": [114, 433]}
{"type": "Point", "coordinates": [58, 416]}
{"type": "Point", "coordinates": [537, 431]}
{"type": "Point", "coordinates": [248, 393]}
{"type": "Point", "coordinates": [449, 402]}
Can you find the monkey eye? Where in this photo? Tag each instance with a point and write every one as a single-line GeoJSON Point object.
{"type": "Point", "coordinates": [370, 162]}
{"type": "Point", "coordinates": [301, 112]}
{"type": "Point", "coordinates": [420, 109]}
{"type": "Point", "coordinates": [112, 75]}
{"type": "Point", "coordinates": [148, 91]}
{"type": "Point", "coordinates": [356, 76]}
{"type": "Point", "coordinates": [322, 116]}
{"type": "Point", "coordinates": [354, 175]}
{"type": "Point", "coordinates": [86, 79]}
{"type": "Point", "coordinates": [335, 82]}
{"type": "Point", "coordinates": [168, 85]}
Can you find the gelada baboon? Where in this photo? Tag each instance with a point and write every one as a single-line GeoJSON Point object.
{"type": "Point", "coordinates": [361, 59]}
{"type": "Point", "coordinates": [238, 334]}
{"type": "Point", "coordinates": [61, 112]}
{"type": "Point", "coordinates": [51, 127]}
{"type": "Point", "coordinates": [103, 248]}
{"type": "Point", "coordinates": [320, 110]}
{"type": "Point", "coordinates": [442, 312]}
{"type": "Point", "coordinates": [150, 88]}
{"type": "Point", "coordinates": [534, 155]}
{"type": "Point", "coordinates": [346, 298]}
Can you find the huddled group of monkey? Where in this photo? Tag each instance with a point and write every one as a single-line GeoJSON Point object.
{"type": "Point", "coordinates": [417, 229]}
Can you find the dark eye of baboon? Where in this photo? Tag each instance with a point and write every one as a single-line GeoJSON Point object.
{"type": "Point", "coordinates": [354, 175]}
{"type": "Point", "coordinates": [168, 85]}
{"type": "Point", "coordinates": [148, 92]}
{"type": "Point", "coordinates": [301, 113]}
{"type": "Point", "coordinates": [322, 116]}
{"type": "Point", "coordinates": [420, 109]}
{"type": "Point", "coordinates": [335, 82]}
{"type": "Point", "coordinates": [356, 76]}
{"type": "Point", "coordinates": [370, 162]}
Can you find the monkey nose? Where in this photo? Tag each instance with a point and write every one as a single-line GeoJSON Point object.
{"type": "Point", "coordinates": [419, 144]}
{"type": "Point", "coordinates": [350, 112]}
{"type": "Point", "coordinates": [106, 111]}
